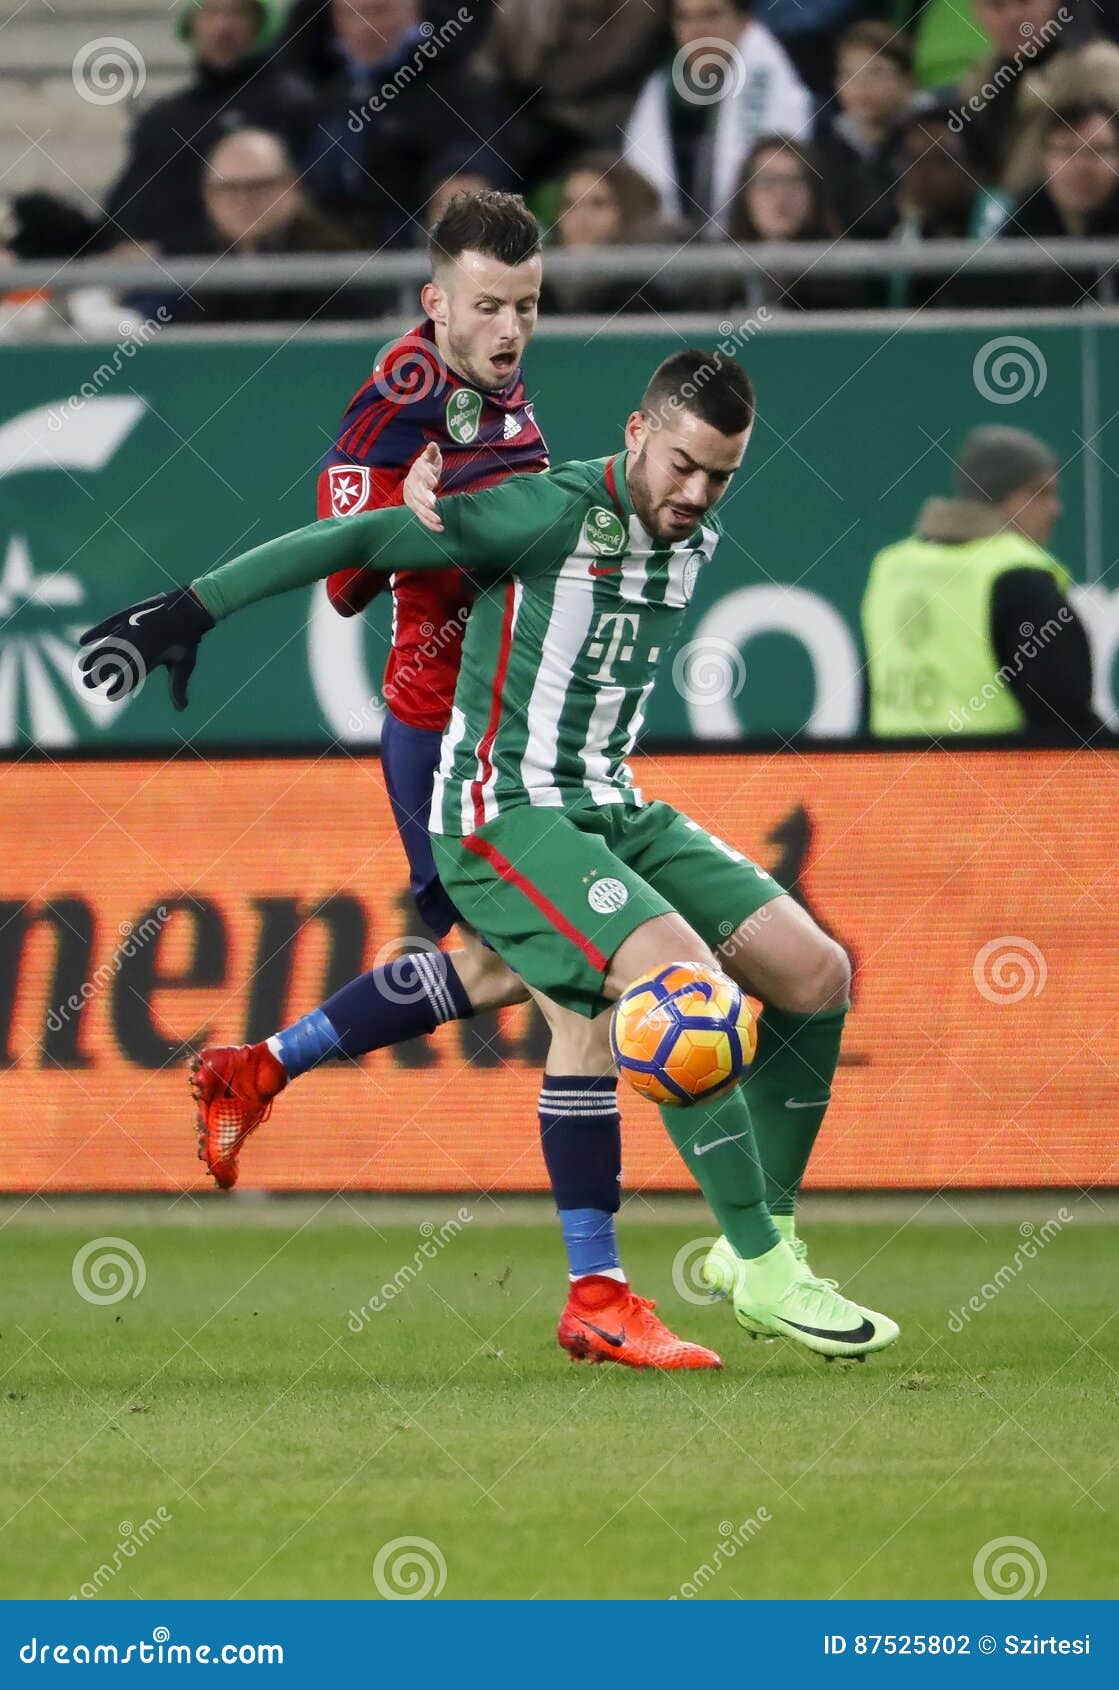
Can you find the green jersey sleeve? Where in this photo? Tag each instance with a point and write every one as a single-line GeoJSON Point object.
{"type": "Point", "coordinates": [522, 526]}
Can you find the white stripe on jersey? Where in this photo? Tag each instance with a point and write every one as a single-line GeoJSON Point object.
{"type": "Point", "coordinates": [489, 801]}
{"type": "Point", "coordinates": [568, 627]}
{"type": "Point", "coordinates": [604, 719]}
{"type": "Point", "coordinates": [452, 739]}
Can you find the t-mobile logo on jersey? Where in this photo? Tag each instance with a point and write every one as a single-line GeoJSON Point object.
{"type": "Point", "coordinates": [613, 642]}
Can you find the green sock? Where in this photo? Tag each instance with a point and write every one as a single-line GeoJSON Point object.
{"type": "Point", "coordinates": [716, 1140]}
{"type": "Point", "coordinates": [788, 1086]}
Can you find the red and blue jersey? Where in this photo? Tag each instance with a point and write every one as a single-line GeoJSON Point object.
{"type": "Point", "coordinates": [411, 399]}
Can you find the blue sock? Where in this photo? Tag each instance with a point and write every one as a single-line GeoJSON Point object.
{"type": "Point", "coordinates": [408, 997]}
{"type": "Point", "coordinates": [581, 1135]}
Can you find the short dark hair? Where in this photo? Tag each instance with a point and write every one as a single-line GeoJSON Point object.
{"type": "Point", "coordinates": [1073, 114]}
{"type": "Point", "coordinates": [495, 224]}
{"type": "Point", "coordinates": [706, 385]}
{"type": "Point", "coordinates": [881, 39]}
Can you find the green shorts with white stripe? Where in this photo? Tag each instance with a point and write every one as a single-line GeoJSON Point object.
{"type": "Point", "coordinates": [557, 891]}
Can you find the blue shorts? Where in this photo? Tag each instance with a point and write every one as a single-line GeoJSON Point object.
{"type": "Point", "coordinates": [409, 759]}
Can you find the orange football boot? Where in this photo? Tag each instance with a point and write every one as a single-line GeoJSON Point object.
{"type": "Point", "coordinates": [233, 1086]}
{"type": "Point", "coordinates": [605, 1321]}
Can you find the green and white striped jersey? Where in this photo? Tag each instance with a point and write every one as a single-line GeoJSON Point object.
{"type": "Point", "coordinates": [577, 606]}
{"type": "Point", "coordinates": [559, 659]}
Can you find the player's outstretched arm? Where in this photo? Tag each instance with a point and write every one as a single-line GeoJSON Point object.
{"type": "Point", "coordinates": [513, 526]}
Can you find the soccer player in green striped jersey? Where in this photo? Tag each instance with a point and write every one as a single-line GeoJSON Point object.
{"type": "Point", "coordinates": [541, 837]}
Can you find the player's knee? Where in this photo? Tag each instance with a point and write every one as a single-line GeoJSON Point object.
{"type": "Point", "coordinates": [657, 943]}
{"type": "Point", "coordinates": [488, 982]}
{"type": "Point", "coordinates": [823, 983]}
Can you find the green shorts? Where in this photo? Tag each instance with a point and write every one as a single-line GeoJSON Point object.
{"type": "Point", "coordinates": [557, 891]}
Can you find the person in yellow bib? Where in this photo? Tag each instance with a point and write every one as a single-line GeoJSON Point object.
{"type": "Point", "coordinates": [967, 624]}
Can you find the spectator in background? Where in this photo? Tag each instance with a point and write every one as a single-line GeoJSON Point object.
{"type": "Point", "coordinates": [158, 196]}
{"type": "Point", "coordinates": [947, 41]}
{"type": "Point", "coordinates": [449, 188]}
{"type": "Point", "coordinates": [807, 30]}
{"type": "Point", "coordinates": [394, 122]}
{"type": "Point", "coordinates": [573, 71]}
{"type": "Point", "coordinates": [857, 141]}
{"type": "Point", "coordinates": [605, 202]}
{"type": "Point", "coordinates": [695, 122]}
{"type": "Point", "coordinates": [254, 205]}
{"type": "Point", "coordinates": [779, 197]}
{"type": "Point", "coordinates": [42, 226]}
{"type": "Point", "coordinates": [1080, 197]}
{"type": "Point", "coordinates": [1042, 56]}
{"type": "Point", "coordinates": [940, 200]}
{"type": "Point", "coordinates": [967, 623]}
{"type": "Point", "coordinates": [313, 49]}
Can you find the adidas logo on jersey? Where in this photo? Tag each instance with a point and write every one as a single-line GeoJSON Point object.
{"type": "Point", "coordinates": [513, 426]}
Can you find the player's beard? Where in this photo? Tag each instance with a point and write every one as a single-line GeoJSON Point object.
{"type": "Point", "coordinates": [463, 365]}
{"type": "Point", "coordinates": [637, 481]}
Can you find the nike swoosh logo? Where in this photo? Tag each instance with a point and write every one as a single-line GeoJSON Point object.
{"type": "Point", "coordinates": [615, 1338]}
{"type": "Point", "coordinates": [136, 614]}
{"type": "Point", "coordinates": [596, 569]}
{"type": "Point", "coordinates": [702, 1149]}
{"type": "Point", "coordinates": [861, 1335]}
{"type": "Point", "coordinates": [807, 1102]}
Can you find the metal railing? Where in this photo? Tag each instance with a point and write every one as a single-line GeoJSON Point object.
{"type": "Point", "coordinates": [697, 261]}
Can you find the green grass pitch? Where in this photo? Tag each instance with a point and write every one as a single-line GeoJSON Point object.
{"type": "Point", "coordinates": [276, 1450]}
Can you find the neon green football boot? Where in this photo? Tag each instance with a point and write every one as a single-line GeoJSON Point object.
{"type": "Point", "coordinates": [777, 1292]}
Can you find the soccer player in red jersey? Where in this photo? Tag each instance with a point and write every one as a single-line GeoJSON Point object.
{"type": "Point", "coordinates": [454, 384]}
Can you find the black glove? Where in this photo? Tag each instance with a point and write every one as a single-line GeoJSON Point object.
{"type": "Point", "coordinates": [163, 632]}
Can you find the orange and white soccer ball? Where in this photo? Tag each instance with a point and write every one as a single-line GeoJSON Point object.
{"type": "Point", "coordinates": [683, 1033]}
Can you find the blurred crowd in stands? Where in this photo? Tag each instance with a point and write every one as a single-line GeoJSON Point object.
{"type": "Point", "coordinates": [347, 125]}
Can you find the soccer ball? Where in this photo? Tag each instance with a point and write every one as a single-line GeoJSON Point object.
{"type": "Point", "coordinates": [683, 1033]}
